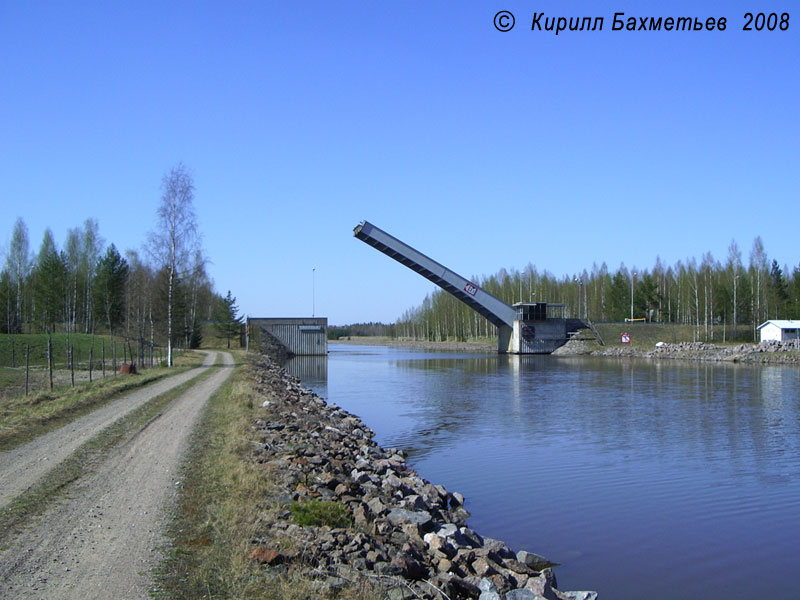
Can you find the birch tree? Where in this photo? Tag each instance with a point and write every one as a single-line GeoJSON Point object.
{"type": "Point", "coordinates": [176, 233]}
{"type": "Point", "coordinates": [18, 263]}
{"type": "Point", "coordinates": [91, 248]}
{"type": "Point", "coordinates": [734, 269]}
{"type": "Point", "coordinates": [758, 272]}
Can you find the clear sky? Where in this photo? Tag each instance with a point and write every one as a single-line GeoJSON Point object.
{"type": "Point", "coordinates": [485, 150]}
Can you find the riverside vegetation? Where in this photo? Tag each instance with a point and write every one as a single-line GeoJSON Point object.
{"type": "Point", "coordinates": [287, 496]}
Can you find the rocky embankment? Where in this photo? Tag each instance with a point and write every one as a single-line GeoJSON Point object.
{"type": "Point", "coordinates": [765, 352]}
{"type": "Point", "coordinates": [403, 534]}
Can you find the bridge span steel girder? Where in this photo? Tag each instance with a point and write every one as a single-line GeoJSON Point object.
{"type": "Point", "coordinates": [495, 310]}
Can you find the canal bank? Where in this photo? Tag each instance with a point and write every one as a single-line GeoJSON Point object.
{"type": "Point", "coordinates": [779, 353]}
{"type": "Point", "coordinates": [398, 532]}
{"type": "Point", "coordinates": [489, 345]}
{"type": "Point", "coordinates": [771, 352]}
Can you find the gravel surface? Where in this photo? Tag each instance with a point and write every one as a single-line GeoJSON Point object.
{"type": "Point", "coordinates": [22, 466]}
{"type": "Point", "coordinates": [101, 542]}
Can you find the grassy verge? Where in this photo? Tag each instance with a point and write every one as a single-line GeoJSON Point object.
{"type": "Point", "coordinates": [226, 502]}
{"type": "Point", "coordinates": [645, 335]}
{"type": "Point", "coordinates": [24, 417]}
{"type": "Point", "coordinates": [34, 501]}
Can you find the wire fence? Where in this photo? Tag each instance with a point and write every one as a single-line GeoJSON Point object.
{"type": "Point", "coordinates": [36, 363]}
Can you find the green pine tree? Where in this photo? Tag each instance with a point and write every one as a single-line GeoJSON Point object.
{"type": "Point", "coordinates": [228, 324]}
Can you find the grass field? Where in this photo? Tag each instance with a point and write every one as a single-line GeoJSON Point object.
{"type": "Point", "coordinates": [22, 417]}
{"type": "Point", "coordinates": [105, 353]}
{"type": "Point", "coordinates": [645, 335]}
{"type": "Point", "coordinates": [13, 348]}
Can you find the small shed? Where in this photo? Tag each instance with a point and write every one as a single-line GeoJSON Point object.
{"type": "Point", "coordinates": [780, 330]}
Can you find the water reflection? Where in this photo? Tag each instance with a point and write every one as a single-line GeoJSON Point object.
{"type": "Point", "coordinates": [723, 413]}
{"type": "Point", "coordinates": [584, 458]}
{"type": "Point", "coordinates": [313, 370]}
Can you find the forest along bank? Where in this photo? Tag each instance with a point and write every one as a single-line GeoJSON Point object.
{"type": "Point", "coordinates": [405, 533]}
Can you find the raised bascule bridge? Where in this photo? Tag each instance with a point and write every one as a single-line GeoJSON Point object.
{"type": "Point", "coordinates": [524, 328]}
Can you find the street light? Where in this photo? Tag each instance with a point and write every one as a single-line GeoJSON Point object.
{"type": "Point", "coordinates": [313, 293]}
{"type": "Point", "coordinates": [735, 279]}
{"type": "Point", "coordinates": [580, 286]}
{"type": "Point", "coordinates": [633, 277]}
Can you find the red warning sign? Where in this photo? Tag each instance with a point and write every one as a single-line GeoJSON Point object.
{"type": "Point", "coordinates": [625, 338]}
{"type": "Point", "coordinates": [471, 289]}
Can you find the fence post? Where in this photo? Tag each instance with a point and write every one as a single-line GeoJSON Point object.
{"type": "Point", "coordinates": [114, 356]}
{"type": "Point", "coordinates": [13, 354]}
{"type": "Point", "coordinates": [91, 358]}
{"type": "Point", "coordinates": [50, 360]}
{"type": "Point", "coordinates": [27, 366]}
{"type": "Point", "coordinates": [72, 363]}
{"type": "Point", "coordinates": [104, 359]}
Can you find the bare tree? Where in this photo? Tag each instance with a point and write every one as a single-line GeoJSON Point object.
{"type": "Point", "coordinates": [176, 233]}
{"type": "Point", "coordinates": [734, 268]}
{"type": "Point", "coordinates": [19, 265]}
{"type": "Point", "coordinates": [138, 298]}
{"type": "Point", "coordinates": [197, 280]}
{"type": "Point", "coordinates": [91, 248]}
{"type": "Point", "coordinates": [758, 272]}
{"type": "Point", "coordinates": [72, 249]}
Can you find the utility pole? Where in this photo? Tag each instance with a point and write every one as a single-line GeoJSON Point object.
{"type": "Point", "coordinates": [633, 277]}
{"type": "Point", "coordinates": [735, 279]}
{"type": "Point", "coordinates": [313, 293]}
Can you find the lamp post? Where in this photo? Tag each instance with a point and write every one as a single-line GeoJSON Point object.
{"type": "Point", "coordinates": [735, 279]}
{"type": "Point", "coordinates": [580, 287]}
{"type": "Point", "coordinates": [633, 278]}
{"type": "Point", "coordinates": [313, 293]}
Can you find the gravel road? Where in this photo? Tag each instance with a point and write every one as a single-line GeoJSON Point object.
{"type": "Point", "coordinates": [24, 465]}
{"type": "Point", "coordinates": [101, 542]}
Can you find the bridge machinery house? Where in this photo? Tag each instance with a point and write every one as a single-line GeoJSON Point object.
{"type": "Point", "coordinates": [304, 336]}
{"type": "Point", "coordinates": [780, 330]}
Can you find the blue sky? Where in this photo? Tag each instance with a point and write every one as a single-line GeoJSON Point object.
{"type": "Point", "coordinates": [485, 150]}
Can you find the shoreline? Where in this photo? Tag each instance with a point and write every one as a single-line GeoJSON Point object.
{"type": "Point", "coordinates": [764, 353]}
{"type": "Point", "coordinates": [449, 346]}
{"type": "Point", "coordinates": [402, 533]}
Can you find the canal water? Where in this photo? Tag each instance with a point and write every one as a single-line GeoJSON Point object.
{"type": "Point", "coordinates": [644, 479]}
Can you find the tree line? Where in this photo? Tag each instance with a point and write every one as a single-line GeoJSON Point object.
{"type": "Point", "coordinates": [360, 329]}
{"type": "Point", "coordinates": [722, 300]}
{"type": "Point", "coordinates": [160, 295]}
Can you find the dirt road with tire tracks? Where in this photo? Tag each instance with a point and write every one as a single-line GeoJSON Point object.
{"type": "Point", "coordinates": [101, 542]}
{"type": "Point", "coordinates": [25, 465]}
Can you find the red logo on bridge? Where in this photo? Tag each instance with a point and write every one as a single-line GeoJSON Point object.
{"type": "Point", "coordinates": [471, 289]}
